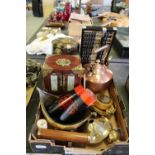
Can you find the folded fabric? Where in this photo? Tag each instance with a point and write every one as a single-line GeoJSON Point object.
{"type": "Point", "coordinates": [43, 45]}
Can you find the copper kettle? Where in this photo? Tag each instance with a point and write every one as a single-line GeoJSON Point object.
{"type": "Point", "coordinates": [98, 77]}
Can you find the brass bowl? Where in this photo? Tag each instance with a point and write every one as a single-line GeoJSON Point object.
{"type": "Point", "coordinates": [71, 126]}
{"type": "Point", "coordinates": [66, 45]}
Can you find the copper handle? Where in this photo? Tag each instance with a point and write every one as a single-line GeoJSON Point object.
{"type": "Point", "coordinates": [63, 135]}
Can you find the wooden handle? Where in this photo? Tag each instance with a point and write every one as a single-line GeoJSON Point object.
{"type": "Point", "coordinates": [63, 135]}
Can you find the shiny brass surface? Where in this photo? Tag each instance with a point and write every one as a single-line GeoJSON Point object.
{"type": "Point", "coordinates": [106, 113]}
{"type": "Point", "coordinates": [44, 97]}
{"type": "Point", "coordinates": [99, 129]}
{"type": "Point", "coordinates": [57, 125]}
{"type": "Point", "coordinates": [103, 102]}
{"type": "Point", "coordinates": [113, 136]}
{"type": "Point", "coordinates": [66, 45]}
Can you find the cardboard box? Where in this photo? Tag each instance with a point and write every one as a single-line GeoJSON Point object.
{"type": "Point", "coordinates": [76, 22]}
{"type": "Point", "coordinates": [101, 2]}
{"type": "Point", "coordinates": [52, 146]}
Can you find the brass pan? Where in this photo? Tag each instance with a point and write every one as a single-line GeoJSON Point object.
{"type": "Point", "coordinates": [57, 125]}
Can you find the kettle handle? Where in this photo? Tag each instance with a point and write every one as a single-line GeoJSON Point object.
{"type": "Point", "coordinates": [100, 49]}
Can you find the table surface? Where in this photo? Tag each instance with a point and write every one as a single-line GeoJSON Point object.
{"type": "Point", "coordinates": [120, 68]}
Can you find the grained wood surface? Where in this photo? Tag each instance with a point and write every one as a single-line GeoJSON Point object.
{"type": "Point", "coordinates": [63, 135]}
{"type": "Point", "coordinates": [29, 92]}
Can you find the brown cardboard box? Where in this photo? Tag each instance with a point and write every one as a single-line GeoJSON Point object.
{"type": "Point", "coordinates": [52, 146]}
{"type": "Point", "coordinates": [97, 2]}
{"type": "Point", "coordinates": [76, 22]}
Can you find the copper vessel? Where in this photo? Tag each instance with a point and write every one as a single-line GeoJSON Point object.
{"type": "Point", "coordinates": [98, 77]}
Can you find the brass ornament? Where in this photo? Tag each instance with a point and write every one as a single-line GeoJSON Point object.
{"type": "Point", "coordinates": [113, 136]}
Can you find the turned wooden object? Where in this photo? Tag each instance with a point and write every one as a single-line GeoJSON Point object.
{"type": "Point", "coordinates": [63, 135]}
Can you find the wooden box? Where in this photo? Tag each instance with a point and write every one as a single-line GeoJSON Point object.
{"type": "Point", "coordinates": [61, 78]}
{"type": "Point", "coordinates": [51, 146]}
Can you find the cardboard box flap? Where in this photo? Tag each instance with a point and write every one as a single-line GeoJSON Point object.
{"type": "Point", "coordinates": [79, 17]}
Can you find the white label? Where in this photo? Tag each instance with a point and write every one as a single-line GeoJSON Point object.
{"type": "Point", "coordinates": [70, 82]}
{"type": "Point", "coordinates": [41, 147]}
{"type": "Point", "coordinates": [54, 82]}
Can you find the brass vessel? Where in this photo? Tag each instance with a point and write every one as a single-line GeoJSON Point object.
{"type": "Point", "coordinates": [46, 99]}
{"type": "Point", "coordinates": [113, 136]}
{"type": "Point", "coordinates": [98, 129]}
